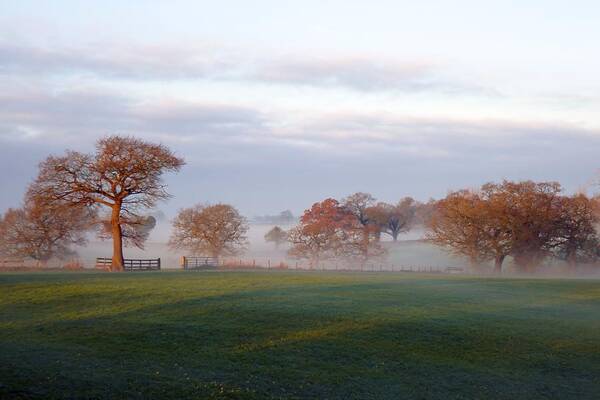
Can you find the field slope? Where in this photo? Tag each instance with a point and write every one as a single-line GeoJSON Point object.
{"type": "Point", "coordinates": [297, 335]}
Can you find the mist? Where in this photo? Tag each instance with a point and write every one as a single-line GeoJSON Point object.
{"type": "Point", "coordinates": [411, 253]}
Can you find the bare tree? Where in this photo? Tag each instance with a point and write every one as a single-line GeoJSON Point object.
{"type": "Point", "coordinates": [41, 233]}
{"type": "Point", "coordinates": [124, 175]}
{"type": "Point", "coordinates": [393, 219]}
{"type": "Point", "coordinates": [276, 235]}
{"type": "Point", "coordinates": [217, 230]}
{"type": "Point", "coordinates": [358, 204]}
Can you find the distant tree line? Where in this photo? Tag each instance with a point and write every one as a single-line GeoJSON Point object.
{"type": "Point", "coordinates": [283, 218]}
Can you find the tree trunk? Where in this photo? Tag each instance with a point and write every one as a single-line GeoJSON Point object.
{"type": "Point", "coordinates": [527, 263]}
{"type": "Point", "coordinates": [117, 235]}
{"type": "Point", "coordinates": [498, 264]}
{"type": "Point", "coordinates": [473, 263]}
{"type": "Point", "coordinates": [314, 262]}
{"type": "Point", "coordinates": [572, 261]}
{"type": "Point", "coordinates": [395, 236]}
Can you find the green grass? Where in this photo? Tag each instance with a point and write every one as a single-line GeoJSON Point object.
{"type": "Point", "coordinates": [297, 335]}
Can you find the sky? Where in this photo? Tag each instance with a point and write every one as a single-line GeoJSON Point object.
{"type": "Point", "coordinates": [278, 104]}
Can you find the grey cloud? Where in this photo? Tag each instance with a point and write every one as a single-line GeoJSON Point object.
{"type": "Point", "coordinates": [245, 157]}
{"type": "Point", "coordinates": [187, 119]}
{"type": "Point", "coordinates": [85, 114]}
{"type": "Point", "coordinates": [439, 137]}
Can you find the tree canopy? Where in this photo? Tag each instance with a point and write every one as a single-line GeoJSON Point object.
{"type": "Point", "coordinates": [213, 230]}
{"type": "Point", "coordinates": [123, 175]}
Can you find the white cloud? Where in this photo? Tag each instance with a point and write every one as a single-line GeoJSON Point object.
{"type": "Point", "coordinates": [208, 62]}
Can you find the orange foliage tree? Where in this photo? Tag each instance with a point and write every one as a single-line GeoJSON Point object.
{"type": "Point", "coordinates": [217, 230]}
{"type": "Point", "coordinates": [321, 232]}
{"type": "Point", "coordinates": [328, 230]}
{"type": "Point", "coordinates": [41, 233]}
{"type": "Point", "coordinates": [526, 220]}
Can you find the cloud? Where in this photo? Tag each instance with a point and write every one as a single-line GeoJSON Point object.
{"type": "Point", "coordinates": [264, 161]}
{"type": "Point", "coordinates": [87, 114]}
{"type": "Point", "coordinates": [364, 135]}
{"type": "Point", "coordinates": [357, 73]}
{"type": "Point", "coordinates": [364, 75]}
{"type": "Point", "coordinates": [36, 114]}
{"type": "Point", "coordinates": [116, 61]}
{"type": "Point", "coordinates": [208, 62]}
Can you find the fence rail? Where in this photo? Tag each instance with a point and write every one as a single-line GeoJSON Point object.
{"type": "Point", "coordinates": [238, 263]}
{"type": "Point", "coordinates": [130, 264]}
{"type": "Point", "coordinates": [192, 263]}
{"type": "Point", "coordinates": [12, 263]}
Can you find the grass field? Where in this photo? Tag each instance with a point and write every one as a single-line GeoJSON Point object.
{"type": "Point", "coordinates": [297, 335]}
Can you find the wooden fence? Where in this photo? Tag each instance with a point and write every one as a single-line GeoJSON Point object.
{"type": "Point", "coordinates": [130, 265]}
{"type": "Point", "coordinates": [12, 263]}
{"type": "Point", "coordinates": [195, 263]}
{"type": "Point", "coordinates": [237, 263]}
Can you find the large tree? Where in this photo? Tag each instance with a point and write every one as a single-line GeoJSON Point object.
{"type": "Point", "coordinates": [214, 230]}
{"type": "Point", "coordinates": [526, 220]}
{"type": "Point", "coordinates": [123, 175]}
{"type": "Point", "coordinates": [577, 240]}
{"type": "Point", "coordinates": [465, 223]}
{"type": "Point", "coordinates": [362, 238]}
{"type": "Point", "coordinates": [531, 214]}
{"type": "Point", "coordinates": [328, 230]}
{"type": "Point", "coordinates": [135, 230]}
{"type": "Point", "coordinates": [361, 243]}
{"type": "Point", "coordinates": [40, 232]}
{"type": "Point", "coordinates": [321, 232]}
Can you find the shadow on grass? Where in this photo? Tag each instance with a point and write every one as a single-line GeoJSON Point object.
{"type": "Point", "coordinates": [340, 340]}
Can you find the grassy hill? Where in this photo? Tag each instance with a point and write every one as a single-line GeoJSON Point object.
{"type": "Point", "coordinates": [297, 335]}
